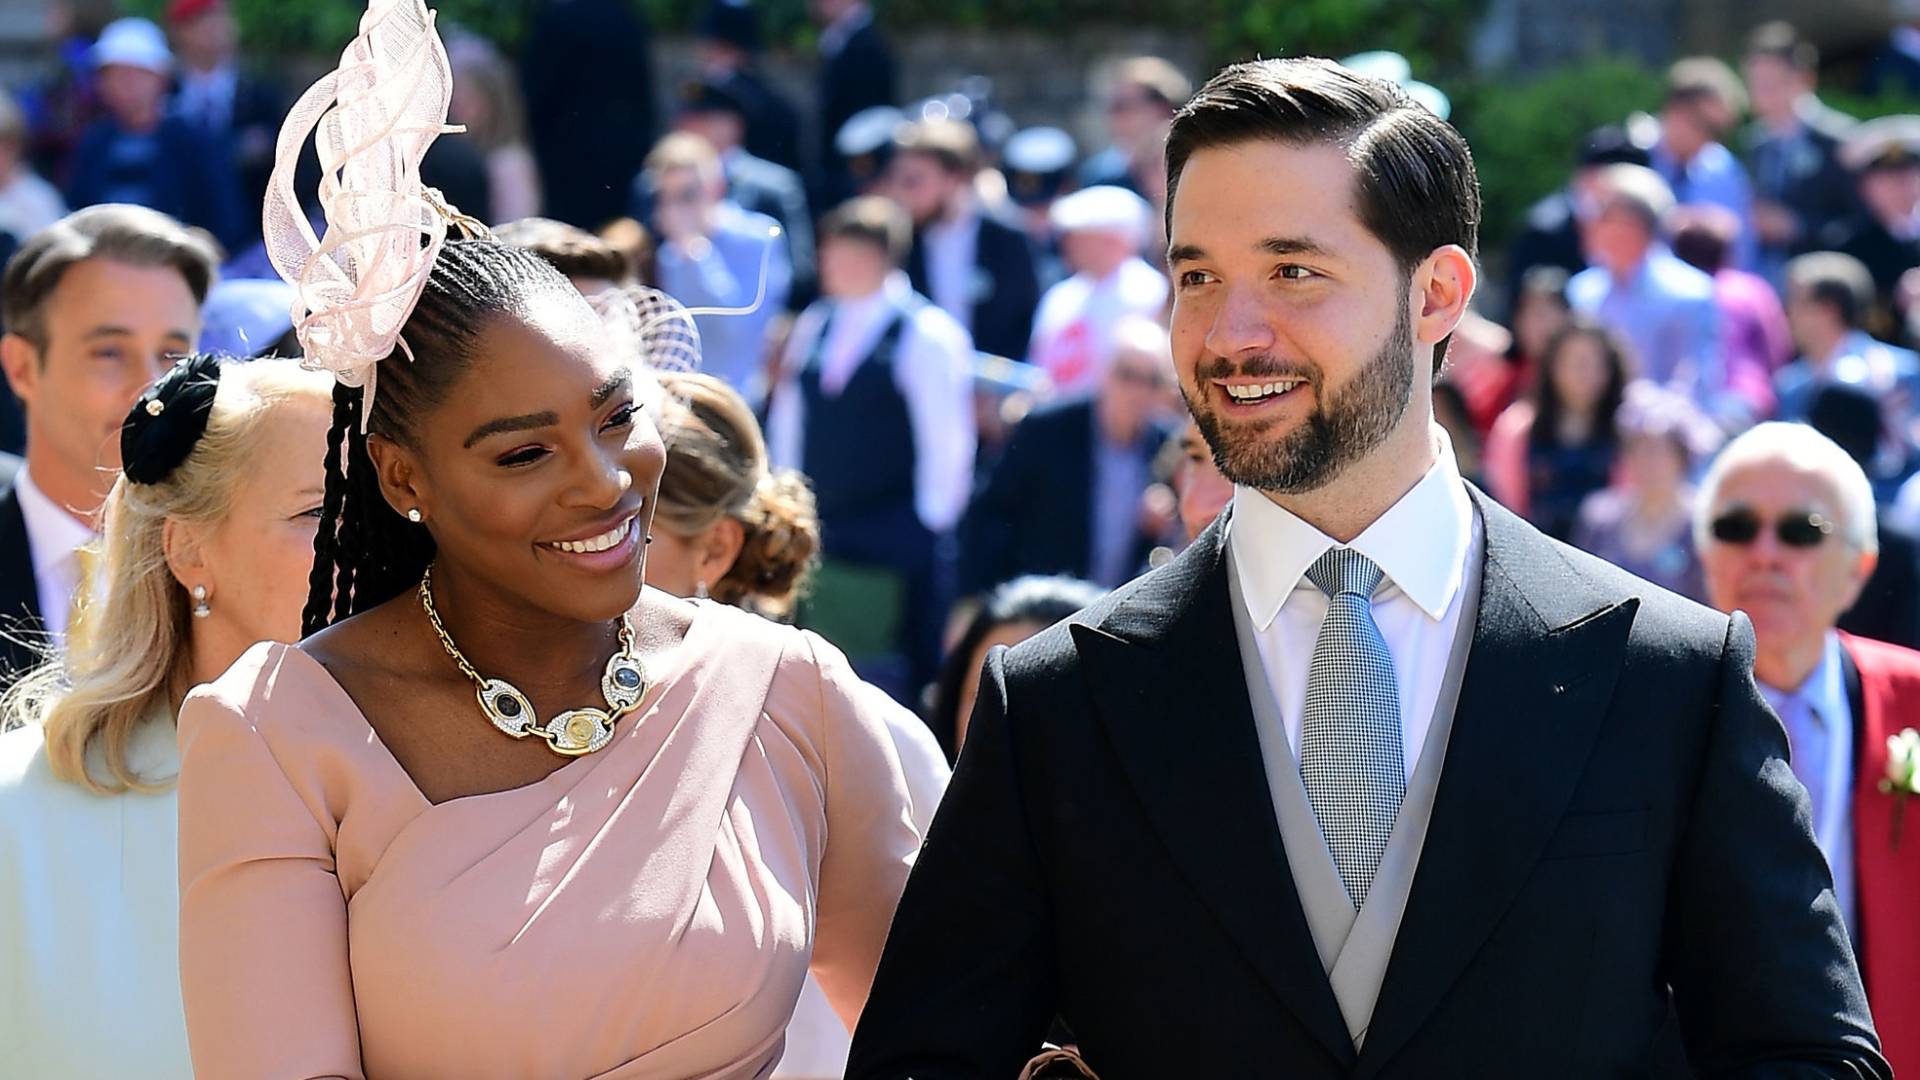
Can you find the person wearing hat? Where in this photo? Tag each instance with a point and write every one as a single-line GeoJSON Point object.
{"type": "Point", "coordinates": [139, 153]}
{"type": "Point", "coordinates": [1101, 232]}
{"type": "Point", "coordinates": [726, 45]}
{"type": "Point", "coordinates": [1550, 234]}
{"type": "Point", "coordinates": [856, 74]}
{"type": "Point", "coordinates": [1884, 157]}
{"type": "Point", "coordinates": [240, 109]}
{"type": "Point", "coordinates": [977, 269]}
{"type": "Point", "coordinates": [712, 107]}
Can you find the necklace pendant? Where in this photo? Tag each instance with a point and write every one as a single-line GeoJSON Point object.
{"type": "Point", "coordinates": [578, 731]}
{"type": "Point", "coordinates": [625, 681]}
{"type": "Point", "coordinates": [507, 707]}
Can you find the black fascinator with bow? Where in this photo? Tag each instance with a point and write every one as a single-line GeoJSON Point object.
{"type": "Point", "coordinates": [166, 423]}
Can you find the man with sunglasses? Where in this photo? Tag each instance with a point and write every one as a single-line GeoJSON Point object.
{"type": "Point", "coordinates": [1785, 529]}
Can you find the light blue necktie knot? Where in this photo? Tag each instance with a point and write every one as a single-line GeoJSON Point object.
{"type": "Point", "coordinates": [1343, 571]}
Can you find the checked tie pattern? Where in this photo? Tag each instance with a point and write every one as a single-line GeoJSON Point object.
{"type": "Point", "coordinates": [1351, 759]}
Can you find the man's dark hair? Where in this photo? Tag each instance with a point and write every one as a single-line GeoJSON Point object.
{"type": "Point", "coordinates": [1782, 42]}
{"type": "Point", "coordinates": [1837, 280]}
{"type": "Point", "coordinates": [1415, 184]}
{"type": "Point", "coordinates": [133, 235]}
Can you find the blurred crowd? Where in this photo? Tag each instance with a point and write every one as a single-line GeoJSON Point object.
{"type": "Point", "coordinates": [953, 325]}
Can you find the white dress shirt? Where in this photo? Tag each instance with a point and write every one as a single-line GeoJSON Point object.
{"type": "Point", "coordinates": [933, 370]}
{"type": "Point", "coordinates": [90, 917]}
{"type": "Point", "coordinates": [1421, 544]}
{"type": "Point", "coordinates": [1819, 723]}
{"type": "Point", "coordinates": [54, 540]}
{"type": "Point", "coordinates": [1073, 326]}
{"type": "Point", "coordinates": [951, 249]}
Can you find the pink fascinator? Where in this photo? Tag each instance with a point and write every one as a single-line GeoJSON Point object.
{"type": "Point", "coordinates": [371, 120]}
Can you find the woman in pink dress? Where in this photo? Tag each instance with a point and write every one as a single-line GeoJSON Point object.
{"type": "Point", "coordinates": [505, 813]}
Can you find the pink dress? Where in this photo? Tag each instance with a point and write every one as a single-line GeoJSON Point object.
{"type": "Point", "coordinates": [649, 910]}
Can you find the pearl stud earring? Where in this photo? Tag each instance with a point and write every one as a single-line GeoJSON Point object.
{"type": "Point", "coordinates": [414, 515]}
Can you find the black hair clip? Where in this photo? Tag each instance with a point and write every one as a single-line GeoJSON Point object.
{"type": "Point", "coordinates": [166, 423]}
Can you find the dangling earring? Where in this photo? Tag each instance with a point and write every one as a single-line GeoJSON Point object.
{"type": "Point", "coordinates": [200, 608]}
{"type": "Point", "coordinates": [700, 589]}
{"type": "Point", "coordinates": [414, 515]}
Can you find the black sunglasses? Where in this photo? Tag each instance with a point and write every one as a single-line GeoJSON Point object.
{"type": "Point", "coordinates": [1800, 529]}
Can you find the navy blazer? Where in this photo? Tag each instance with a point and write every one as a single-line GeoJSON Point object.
{"type": "Point", "coordinates": [193, 178]}
{"type": "Point", "coordinates": [1006, 287]}
{"type": "Point", "coordinates": [1034, 513]}
{"type": "Point", "coordinates": [20, 623]}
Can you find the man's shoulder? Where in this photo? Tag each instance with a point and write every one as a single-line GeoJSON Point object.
{"type": "Point", "coordinates": [1881, 662]}
{"type": "Point", "coordinates": [758, 172]}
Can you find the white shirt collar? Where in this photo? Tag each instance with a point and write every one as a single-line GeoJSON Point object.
{"type": "Point", "coordinates": [1420, 543]}
{"type": "Point", "coordinates": [53, 534]}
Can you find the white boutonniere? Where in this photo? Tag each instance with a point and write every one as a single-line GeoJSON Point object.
{"type": "Point", "coordinates": [1903, 775]}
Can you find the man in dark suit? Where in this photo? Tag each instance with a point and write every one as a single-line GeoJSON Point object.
{"type": "Point", "coordinates": [238, 109]}
{"type": "Point", "coordinates": [1374, 780]}
{"type": "Point", "coordinates": [588, 78]}
{"type": "Point", "coordinates": [96, 307]}
{"type": "Point", "coordinates": [856, 74]}
{"type": "Point", "coordinates": [979, 270]}
{"type": "Point", "coordinates": [1786, 533]}
{"type": "Point", "coordinates": [1800, 188]}
{"type": "Point", "coordinates": [1066, 496]}
{"type": "Point", "coordinates": [726, 42]}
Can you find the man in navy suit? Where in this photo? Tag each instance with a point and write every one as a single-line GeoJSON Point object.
{"type": "Point", "coordinates": [856, 74]}
{"type": "Point", "coordinates": [977, 269]}
{"type": "Point", "coordinates": [1068, 495]}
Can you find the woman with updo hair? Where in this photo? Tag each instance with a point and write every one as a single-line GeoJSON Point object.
{"type": "Point", "coordinates": [727, 525]}
{"type": "Point", "coordinates": [208, 534]}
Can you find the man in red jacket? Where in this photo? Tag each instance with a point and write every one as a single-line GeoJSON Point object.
{"type": "Point", "coordinates": [1785, 529]}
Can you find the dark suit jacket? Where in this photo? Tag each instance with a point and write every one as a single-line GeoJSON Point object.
{"type": "Point", "coordinates": [1889, 605]}
{"type": "Point", "coordinates": [1006, 292]}
{"type": "Point", "coordinates": [1034, 514]}
{"type": "Point", "coordinates": [193, 178]}
{"type": "Point", "coordinates": [859, 76]}
{"type": "Point", "coordinates": [1615, 817]}
{"type": "Point", "coordinates": [19, 596]}
{"type": "Point", "coordinates": [1807, 178]}
{"type": "Point", "coordinates": [588, 79]}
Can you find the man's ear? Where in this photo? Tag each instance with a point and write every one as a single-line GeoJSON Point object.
{"type": "Point", "coordinates": [1443, 287]}
{"type": "Point", "coordinates": [20, 359]}
{"type": "Point", "coordinates": [401, 480]}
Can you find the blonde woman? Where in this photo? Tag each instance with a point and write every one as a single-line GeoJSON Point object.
{"type": "Point", "coordinates": [729, 527]}
{"type": "Point", "coordinates": [209, 534]}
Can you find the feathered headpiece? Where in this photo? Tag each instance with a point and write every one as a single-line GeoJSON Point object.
{"type": "Point", "coordinates": [371, 120]}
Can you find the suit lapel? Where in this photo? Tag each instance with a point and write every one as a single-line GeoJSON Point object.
{"type": "Point", "coordinates": [1167, 682]}
{"type": "Point", "coordinates": [1540, 673]}
{"type": "Point", "coordinates": [21, 627]}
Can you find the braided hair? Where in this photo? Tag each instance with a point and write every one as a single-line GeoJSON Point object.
{"type": "Point", "coordinates": [365, 552]}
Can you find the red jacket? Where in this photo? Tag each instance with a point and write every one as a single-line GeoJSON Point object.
{"type": "Point", "coordinates": [1887, 888]}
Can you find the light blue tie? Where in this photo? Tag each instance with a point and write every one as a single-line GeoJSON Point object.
{"type": "Point", "coordinates": [1351, 759]}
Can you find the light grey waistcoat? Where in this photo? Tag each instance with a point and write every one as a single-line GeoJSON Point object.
{"type": "Point", "coordinates": [1354, 946]}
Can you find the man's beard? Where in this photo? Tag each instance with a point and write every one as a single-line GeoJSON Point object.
{"type": "Point", "coordinates": [1342, 429]}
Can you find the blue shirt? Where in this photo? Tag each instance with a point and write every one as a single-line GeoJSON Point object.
{"type": "Point", "coordinates": [1666, 313]}
{"type": "Point", "coordinates": [726, 274]}
{"type": "Point", "coordinates": [1716, 177]}
{"type": "Point", "coordinates": [1120, 476]}
{"type": "Point", "coordinates": [1819, 723]}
